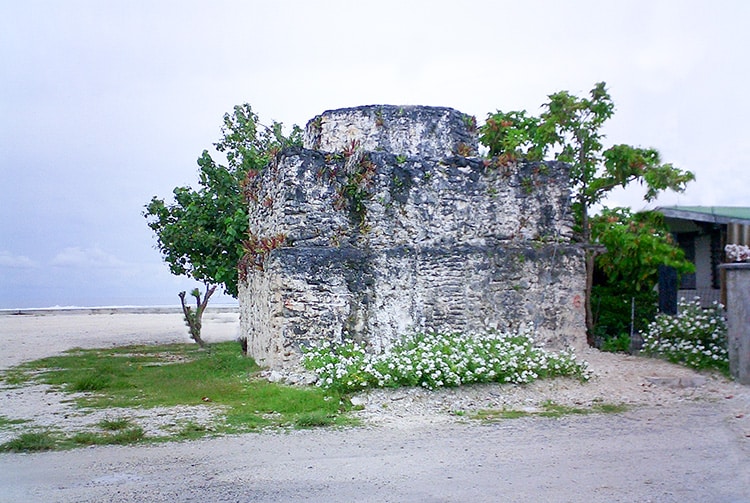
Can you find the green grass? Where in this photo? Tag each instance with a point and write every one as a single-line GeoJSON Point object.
{"type": "Point", "coordinates": [4, 421]}
{"type": "Point", "coordinates": [175, 375]}
{"type": "Point", "coordinates": [192, 430]}
{"type": "Point", "coordinates": [548, 409]}
{"type": "Point", "coordinates": [124, 436]}
{"type": "Point", "coordinates": [30, 442]}
{"type": "Point", "coordinates": [315, 419]}
{"type": "Point", "coordinates": [118, 424]}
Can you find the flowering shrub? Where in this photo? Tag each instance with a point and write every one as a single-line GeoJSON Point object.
{"type": "Point", "coordinates": [434, 360]}
{"type": "Point", "coordinates": [696, 337]}
{"type": "Point", "coordinates": [737, 253]}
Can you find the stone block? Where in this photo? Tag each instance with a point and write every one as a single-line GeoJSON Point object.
{"type": "Point", "coordinates": [738, 320]}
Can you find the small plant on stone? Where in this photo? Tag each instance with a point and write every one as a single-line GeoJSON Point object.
{"type": "Point", "coordinates": [434, 360]}
{"type": "Point", "coordinates": [696, 337]}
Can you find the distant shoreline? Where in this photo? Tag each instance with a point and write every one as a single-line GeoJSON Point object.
{"type": "Point", "coordinates": [42, 311]}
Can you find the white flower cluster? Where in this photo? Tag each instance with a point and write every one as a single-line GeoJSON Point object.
{"type": "Point", "coordinates": [737, 253]}
{"type": "Point", "coordinates": [435, 360]}
{"type": "Point", "coordinates": [696, 337]}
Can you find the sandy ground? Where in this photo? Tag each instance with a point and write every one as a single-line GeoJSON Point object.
{"type": "Point", "coordinates": [685, 437]}
{"type": "Point", "coordinates": [45, 333]}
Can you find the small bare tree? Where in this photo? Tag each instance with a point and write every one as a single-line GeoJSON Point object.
{"type": "Point", "coordinates": [193, 318]}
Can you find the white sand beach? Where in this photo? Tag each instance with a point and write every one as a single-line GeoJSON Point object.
{"type": "Point", "coordinates": [40, 333]}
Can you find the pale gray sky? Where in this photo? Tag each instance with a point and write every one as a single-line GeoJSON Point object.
{"type": "Point", "coordinates": [105, 104]}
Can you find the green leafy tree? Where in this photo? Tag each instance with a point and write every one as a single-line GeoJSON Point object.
{"type": "Point", "coordinates": [200, 233]}
{"type": "Point", "coordinates": [569, 130]}
{"type": "Point", "coordinates": [640, 242]}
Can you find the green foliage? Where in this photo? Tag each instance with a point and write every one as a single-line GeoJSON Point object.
{"type": "Point", "coordinates": [192, 430]}
{"type": "Point", "coordinates": [200, 234]}
{"type": "Point", "coordinates": [619, 344]}
{"type": "Point", "coordinates": [696, 337]}
{"type": "Point", "coordinates": [512, 135]}
{"type": "Point", "coordinates": [436, 360]}
{"type": "Point", "coordinates": [569, 130]}
{"type": "Point", "coordinates": [637, 244]}
{"type": "Point", "coordinates": [613, 311]}
{"type": "Point", "coordinates": [355, 190]}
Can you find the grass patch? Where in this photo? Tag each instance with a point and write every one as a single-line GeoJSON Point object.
{"type": "Point", "coordinates": [14, 378]}
{"type": "Point", "coordinates": [315, 419]}
{"type": "Point", "coordinates": [124, 436]}
{"type": "Point", "coordinates": [177, 375]}
{"type": "Point", "coordinates": [4, 421]}
{"type": "Point", "coordinates": [114, 424]}
{"type": "Point", "coordinates": [30, 442]}
{"type": "Point", "coordinates": [192, 430]}
{"type": "Point", "coordinates": [548, 409]}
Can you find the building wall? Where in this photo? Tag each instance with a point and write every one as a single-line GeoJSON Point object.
{"type": "Point", "coordinates": [387, 223]}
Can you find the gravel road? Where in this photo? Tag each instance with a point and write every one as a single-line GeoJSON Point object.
{"type": "Point", "coordinates": [684, 438]}
{"type": "Point", "coordinates": [679, 454]}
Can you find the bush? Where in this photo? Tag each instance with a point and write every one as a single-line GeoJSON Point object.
{"type": "Point", "coordinates": [619, 344]}
{"type": "Point", "coordinates": [695, 337]}
{"type": "Point", "coordinates": [613, 312]}
{"type": "Point", "coordinates": [434, 360]}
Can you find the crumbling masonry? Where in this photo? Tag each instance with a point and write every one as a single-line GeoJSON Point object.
{"type": "Point", "coordinates": [387, 222]}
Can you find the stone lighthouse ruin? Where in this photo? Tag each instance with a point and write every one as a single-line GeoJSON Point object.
{"type": "Point", "coordinates": [388, 222]}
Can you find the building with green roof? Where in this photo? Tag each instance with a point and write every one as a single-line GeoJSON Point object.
{"type": "Point", "coordinates": [703, 232]}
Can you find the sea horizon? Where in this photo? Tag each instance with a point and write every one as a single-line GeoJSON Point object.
{"type": "Point", "coordinates": [115, 309]}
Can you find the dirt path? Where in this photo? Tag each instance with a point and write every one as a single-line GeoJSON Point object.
{"type": "Point", "coordinates": [685, 437]}
{"type": "Point", "coordinates": [681, 454]}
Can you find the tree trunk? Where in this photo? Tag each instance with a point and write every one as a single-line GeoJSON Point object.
{"type": "Point", "coordinates": [194, 319]}
{"type": "Point", "coordinates": [590, 261]}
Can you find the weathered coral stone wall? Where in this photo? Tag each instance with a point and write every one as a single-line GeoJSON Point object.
{"type": "Point", "coordinates": [386, 223]}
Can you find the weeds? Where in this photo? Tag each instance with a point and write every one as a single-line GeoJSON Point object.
{"type": "Point", "coordinates": [4, 421]}
{"type": "Point", "coordinates": [114, 424]}
{"type": "Point", "coordinates": [30, 442]}
{"type": "Point", "coordinates": [549, 409]}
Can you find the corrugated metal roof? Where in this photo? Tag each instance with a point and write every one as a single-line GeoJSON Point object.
{"type": "Point", "coordinates": [713, 214]}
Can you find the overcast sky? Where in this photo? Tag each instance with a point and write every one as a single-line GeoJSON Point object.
{"type": "Point", "coordinates": [106, 104]}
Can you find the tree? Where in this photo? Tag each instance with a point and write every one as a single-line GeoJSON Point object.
{"type": "Point", "coordinates": [200, 234]}
{"type": "Point", "coordinates": [193, 319]}
{"type": "Point", "coordinates": [642, 242]}
{"type": "Point", "coordinates": [569, 130]}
